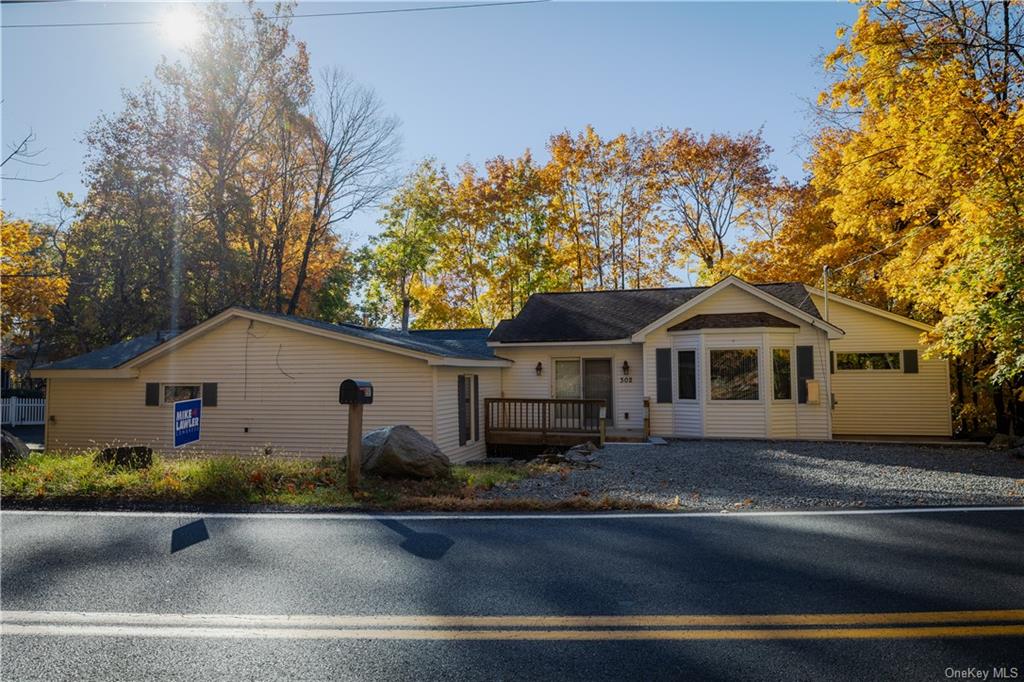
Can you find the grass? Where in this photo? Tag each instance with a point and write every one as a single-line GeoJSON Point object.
{"type": "Point", "coordinates": [78, 477]}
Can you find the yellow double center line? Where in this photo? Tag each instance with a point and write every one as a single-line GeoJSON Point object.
{"type": "Point", "coordinates": [903, 625]}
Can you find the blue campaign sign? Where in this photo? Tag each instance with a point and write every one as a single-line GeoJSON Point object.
{"type": "Point", "coordinates": [187, 414]}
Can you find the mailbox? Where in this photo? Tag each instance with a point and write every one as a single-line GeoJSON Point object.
{"type": "Point", "coordinates": [355, 392]}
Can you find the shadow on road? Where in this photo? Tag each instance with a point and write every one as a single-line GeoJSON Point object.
{"type": "Point", "coordinates": [430, 546]}
{"type": "Point", "coordinates": [190, 534]}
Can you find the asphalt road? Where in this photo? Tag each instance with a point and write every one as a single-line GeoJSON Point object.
{"type": "Point", "coordinates": [742, 596]}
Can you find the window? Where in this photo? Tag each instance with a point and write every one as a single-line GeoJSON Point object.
{"type": "Point", "coordinates": [782, 374]}
{"type": "Point", "coordinates": [568, 383]}
{"type": "Point", "coordinates": [734, 374]}
{"type": "Point", "coordinates": [869, 361]}
{"type": "Point", "coordinates": [687, 374]}
{"type": "Point", "coordinates": [175, 392]}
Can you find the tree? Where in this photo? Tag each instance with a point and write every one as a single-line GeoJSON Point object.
{"type": "Point", "coordinates": [223, 107]}
{"type": "Point", "coordinates": [31, 283]}
{"type": "Point", "coordinates": [934, 171]}
{"type": "Point", "coordinates": [353, 147]}
{"type": "Point", "coordinates": [604, 209]}
{"type": "Point", "coordinates": [917, 184]}
{"type": "Point", "coordinates": [223, 181]}
{"type": "Point", "coordinates": [710, 185]}
{"type": "Point", "coordinates": [400, 254]}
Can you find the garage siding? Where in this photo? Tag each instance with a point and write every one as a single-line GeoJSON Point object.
{"type": "Point", "coordinates": [280, 384]}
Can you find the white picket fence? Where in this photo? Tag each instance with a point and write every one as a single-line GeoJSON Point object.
{"type": "Point", "coordinates": [22, 411]}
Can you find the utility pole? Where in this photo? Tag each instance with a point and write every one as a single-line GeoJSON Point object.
{"type": "Point", "coordinates": [824, 274]}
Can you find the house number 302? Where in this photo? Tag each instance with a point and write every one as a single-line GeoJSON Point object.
{"type": "Point", "coordinates": [625, 380]}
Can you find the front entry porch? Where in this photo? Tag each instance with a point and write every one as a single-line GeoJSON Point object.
{"type": "Point", "coordinates": [552, 422]}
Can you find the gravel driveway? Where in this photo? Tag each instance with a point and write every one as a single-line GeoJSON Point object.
{"type": "Point", "coordinates": [715, 475]}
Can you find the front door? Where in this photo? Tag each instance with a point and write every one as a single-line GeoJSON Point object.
{"type": "Point", "coordinates": [597, 383]}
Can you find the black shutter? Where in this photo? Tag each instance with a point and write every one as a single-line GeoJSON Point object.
{"type": "Point", "coordinates": [476, 407]}
{"type": "Point", "coordinates": [209, 395]}
{"type": "Point", "coordinates": [831, 362]}
{"type": "Point", "coordinates": [687, 360]}
{"type": "Point", "coordinates": [152, 394]}
{"type": "Point", "coordinates": [663, 368]}
{"type": "Point", "coordinates": [910, 362]}
{"type": "Point", "coordinates": [804, 370]}
{"type": "Point", "coordinates": [462, 410]}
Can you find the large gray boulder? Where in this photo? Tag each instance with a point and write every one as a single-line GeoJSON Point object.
{"type": "Point", "coordinates": [13, 449]}
{"type": "Point", "coordinates": [403, 452]}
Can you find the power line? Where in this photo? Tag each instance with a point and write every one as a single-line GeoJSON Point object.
{"type": "Point", "coordinates": [398, 10]}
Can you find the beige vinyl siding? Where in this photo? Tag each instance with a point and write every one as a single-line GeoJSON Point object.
{"type": "Point", "coordinates": [742, 419]}
{"type": "Point", "coordinates": [886, 402]}
{"type": "Point", "coordinates": [447, 396]}
{"type": "Point", "coordinates": [279, 383]}
{"type": "Point", "coordinates": [521, 380]}
{"type": "Point", "coordinates": [813, 421]}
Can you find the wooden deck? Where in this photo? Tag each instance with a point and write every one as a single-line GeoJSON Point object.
{"type": "Point", "coordinates": [543, 422]}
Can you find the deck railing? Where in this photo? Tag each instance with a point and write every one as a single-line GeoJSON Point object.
{"type": "Point", "coordinates": [542, 420]}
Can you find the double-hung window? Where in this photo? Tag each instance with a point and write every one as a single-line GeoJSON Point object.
{"type": "Point", "coordinates": [782, 374]}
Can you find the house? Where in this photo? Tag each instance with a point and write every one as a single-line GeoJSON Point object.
{"type": "Point", "coordinates": [733, 360]}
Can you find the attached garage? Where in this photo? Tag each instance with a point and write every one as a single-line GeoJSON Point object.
{"type": "Point", "coordinates": [882, 383]}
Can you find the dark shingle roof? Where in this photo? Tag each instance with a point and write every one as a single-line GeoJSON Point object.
{"type": "Point", "coordinates": [470, 344]}
{"type": "Point", "coordinates": [607, 315]}
{"type": "Point", "coordinates": [731, 321]}
{"type": "Point", "coordinates": [115, 355]}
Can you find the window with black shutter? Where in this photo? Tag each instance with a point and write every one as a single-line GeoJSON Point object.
{"type": "Point", "coordinates": [910, 361]}
{"type": "Point", "coordinates": [687, 362]}
{"type": "Point", "coordinates": [463, 411]}
{"type": "Point", "coordinates": [209, 395]}
{"type": "Point", "coordinates": [663, 372]}
{"type": "Point", "coordinates": [476, 407]}
{"type": "Point", "coordinates": [804, 370]}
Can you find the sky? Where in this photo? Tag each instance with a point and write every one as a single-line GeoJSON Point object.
{"type": "Point", "coordinates": [467, 84]}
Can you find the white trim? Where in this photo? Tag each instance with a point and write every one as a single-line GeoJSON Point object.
{"type": "Point", "coordinates": [462, 516]}
{"type": "Point", "coordinates": [115, 373]}
{"type": "Point", "coordinates": [732, 280]}
{"type": "Point", "coordinates": [871, 309]}
{"type": "Point", "coordinates": [612, 342]}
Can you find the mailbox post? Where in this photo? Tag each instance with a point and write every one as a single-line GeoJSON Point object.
{"type": "Point", "coordinates": [355, 394]}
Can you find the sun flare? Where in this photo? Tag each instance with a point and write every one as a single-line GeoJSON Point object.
{"type": "Point", "coordinates": [180, 26]}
